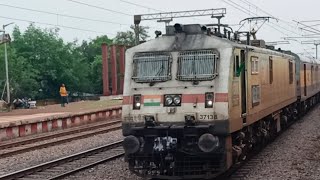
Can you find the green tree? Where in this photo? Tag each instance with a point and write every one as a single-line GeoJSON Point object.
{"type": "Point", "coordinates": [45, 59]}
{"type": "Point", "coordinates": [39, 61]}
{"type": "Point", "coordinates": [91, 51]}
{"type": "Point", "coordinates": [128, 38]}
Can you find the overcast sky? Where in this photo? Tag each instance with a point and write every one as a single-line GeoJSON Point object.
{"type": "Point", "coordinates": [286, 10]}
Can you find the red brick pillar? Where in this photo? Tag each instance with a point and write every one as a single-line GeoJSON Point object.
{"type": "Point", "coordinates": [114, 73]}
{"type": "Point", "coordinates": [105, 70]}
{"type": "Point", "coordinates": [122, 67]}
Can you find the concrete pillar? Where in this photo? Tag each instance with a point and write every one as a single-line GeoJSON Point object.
{"type": "Point", "coordinates": [114, 73]}
{"type": "Point", "coordinates": [105, 70]}
{"type": "Point", "coordinates": [122, 67]}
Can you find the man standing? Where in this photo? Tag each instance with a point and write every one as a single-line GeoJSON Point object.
{"type": "Point", "coordinates": [63, 94]}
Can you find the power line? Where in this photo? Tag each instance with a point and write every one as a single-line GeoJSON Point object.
{"type": "Point", "coordinates": [97, 7]}
{"type": "Point", "coordinates": [249, 3]}
{"type": "Point", "coordinates": [237, 7]}
{"type": "Point", "coordinates": [310, 21]}
{"type": "Point", "coordinates": [246, 12]}
{"type": "Point", "coordinates": [306, 26]}
{"type": "Point", "coordinates": [63, 15]}
{"type": "Point", "coordinates": [146, 7]}
{"type": "Point", "coordinates": [270, 22]}
{"type": "Point", "coordinates": [277, 18]}
{"type": "Point", "coordinates": [49, 24]}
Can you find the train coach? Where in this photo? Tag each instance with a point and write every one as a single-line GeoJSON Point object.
{"type": "Point", "coordinates": [197, 102]}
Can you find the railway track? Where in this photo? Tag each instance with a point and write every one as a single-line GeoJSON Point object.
{"type": "Point", "coordinates": [32, 143]}
{"type": "Point", "coordinates": [241, 173]}
{"type": "Point", "coordinates": [69, 165]}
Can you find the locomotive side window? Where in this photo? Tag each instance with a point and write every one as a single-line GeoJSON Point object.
{"type": "Point", "coordinates": [271, 69]}
{"type": "Point", "coordinates": [254, 65]}
{"type": "Point", "coordinates": [198, 65]}
{"type": "Point", "coordinates": [316, 75]}
{"type": "Point", "coordinates": [290, 72]}
{"type": "Point", "coordinates": [236, 66]}
{"type": "Point", "coordinates": [152, 67]}
{"type": "Point", "coordinates": [255, 90]}
{"type": "Point", "coordinates": [311, 75]}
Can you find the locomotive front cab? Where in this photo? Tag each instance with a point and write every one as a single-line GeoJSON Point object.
{"type": "Point", "coordinates": [175, 110]}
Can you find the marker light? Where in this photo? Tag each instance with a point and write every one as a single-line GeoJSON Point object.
{"type": "Point", "coordinates": [209, 100]}
{"type": "Point", "coordinates": [137, 102]}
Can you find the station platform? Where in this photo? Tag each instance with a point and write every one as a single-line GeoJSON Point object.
{"type": "Point", "coordinates": [24, 122]}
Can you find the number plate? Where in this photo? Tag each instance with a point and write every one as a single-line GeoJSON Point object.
{"type": "Point", "coordinates": [206, 117]}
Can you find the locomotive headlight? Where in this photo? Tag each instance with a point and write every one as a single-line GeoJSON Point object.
{"type": "Point", "coordinates": [131, 144]}
{"type": "Point", "coordinates": [208, 142]}
{"type": "Point", "coordinates": [177, 100]}
{"type": "Point", "coordinates": [172, 100]}
{"type": "Point", "coordinates": [169, 101]}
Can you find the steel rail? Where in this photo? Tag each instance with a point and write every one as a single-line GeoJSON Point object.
{"type": "Point", "coordinates": [41, 169]}
{"type": "Point", "coordinates": [25, 145]}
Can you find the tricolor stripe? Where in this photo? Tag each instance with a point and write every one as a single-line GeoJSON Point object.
{"type": "Point", "coordinates": [152, 100]}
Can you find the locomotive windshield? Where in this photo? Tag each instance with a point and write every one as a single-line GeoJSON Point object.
{"type": "Point", "coordinates": [152, 67]}
{"type": "Point", "coordinates": [196, 65]}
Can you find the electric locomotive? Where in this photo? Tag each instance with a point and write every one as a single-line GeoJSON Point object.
{"type": "Point", "coordinates": [196, 101]}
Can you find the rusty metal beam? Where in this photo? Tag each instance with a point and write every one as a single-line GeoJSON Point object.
{"type": "Point", "coordinates": [105, 70]}
{"type": "Point", "coordinates": [114, 72]}
{"type": "Point", "coordinates": [122, 67]}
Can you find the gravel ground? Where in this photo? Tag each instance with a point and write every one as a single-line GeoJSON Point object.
{"type": "Point", "coordinates": [295, 155]}
{"type": "Point", "coordinates": [116, 170]}
{"type": "Point", "coordinates": [32, 158]}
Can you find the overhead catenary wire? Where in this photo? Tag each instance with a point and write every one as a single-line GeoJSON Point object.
{"type": "Point", "coordinates": [244, 10]}
{"type": "Point", "coordinates": [289, 24]}
{"type": "Point", "coordinates": [236, 4]}
{"type": "Point", "coordinates": [288, 30]}
{"type": "Point", "coordinates": [102, 8]}
{"type": "Point", "coordinates": [249, 3]}
{"type": "Point", "coordinates": [257, 7]}
{"type": "Point", "coordinates": [139, 5]}
{"type": "Point", "coordinates": [62, 15]}
{"type": "Point", "coordinates": [149, 8]}
{"type": "Point", "coordinates": [306, 26]}
{"type": "Point", "coordinates": [55, 25]}
{"type": "Point", "coordinates": [310, 21]}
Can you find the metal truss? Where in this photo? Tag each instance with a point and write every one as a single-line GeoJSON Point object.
{"type": "Point", "coordinates": [168, 16]}
{"type": "Point", "coordinates": [180, 14]}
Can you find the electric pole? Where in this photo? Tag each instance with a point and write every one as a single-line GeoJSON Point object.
{"type": "Point", "coordinates": [316, 43]}
{"type": "Point", "coordinates": [5, 40]}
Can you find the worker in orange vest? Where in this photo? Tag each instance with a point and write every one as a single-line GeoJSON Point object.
{"type": "Point", "coordinates": [63, 94]}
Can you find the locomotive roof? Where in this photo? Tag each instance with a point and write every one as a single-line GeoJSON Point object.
{"type": "Point", "coordinates": [309, 60]}
{"type": "Point", "coordinates": [200, 40]}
